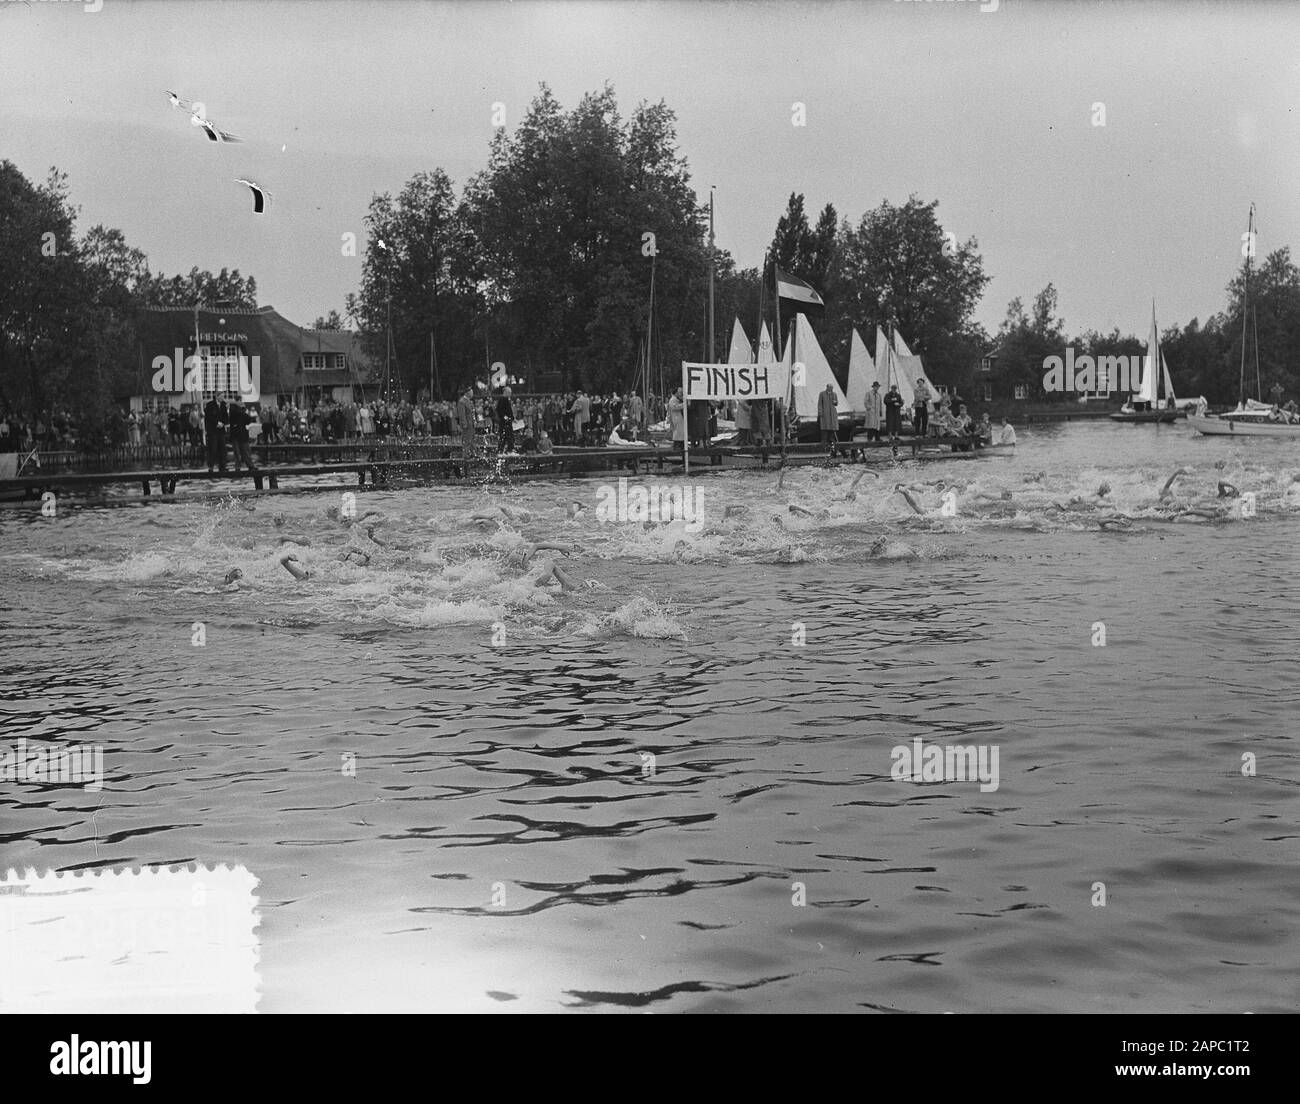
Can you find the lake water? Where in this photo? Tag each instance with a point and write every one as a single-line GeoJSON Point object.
{"type": "Point", "coordinates": [462, 791]}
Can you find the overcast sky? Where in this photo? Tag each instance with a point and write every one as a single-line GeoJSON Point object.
{"type": "Point", "coordinates": [990, 112]}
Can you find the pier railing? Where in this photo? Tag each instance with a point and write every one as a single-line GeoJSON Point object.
{"type": "Point", "coordinates": [179, 457]}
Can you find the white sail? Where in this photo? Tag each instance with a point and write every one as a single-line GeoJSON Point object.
{"type": "Point", "coordinates": [817, 371]}
{"type": "Point", "coordinates": [1169, 384]}
{"type": "Point", "coordinates": [766, 350]}
{"type": "Point", "coordinates": [1150, 366]}
{"type": "Point", "coordinates": [887, 371]}
{"type": "Point", "coordinates": [911, 366]}
{"type": "Point", "coordinates": [861, 373]}
{"type": "Point", "coordinates": [740, 352]}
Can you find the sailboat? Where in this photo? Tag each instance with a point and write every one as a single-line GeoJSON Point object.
{"type": "Point", "coordinates": [1252, 418]}
{"type": "Point", "coordinates": [1146, 405]}
{"type": "Point", "coordinates": [802, 347]}
{"type": "Point", "coordinates": [911, 366]}
{"type": "Point", "coordinates": [861, 373]}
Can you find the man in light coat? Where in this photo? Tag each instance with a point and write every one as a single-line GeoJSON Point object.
{"type": "Point", "coordinates": [465, 420]}
{"type": "Point", "coordinates": [875, 412]}
{"type": "Point", "coordinates": [581, 411]}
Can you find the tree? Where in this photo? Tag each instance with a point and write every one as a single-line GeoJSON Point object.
{"type": "Point", "coordinates": [569, 217]}
{"type": "Point", "coordinates": [44, 289]}
{"type": "Point", "coordinates": [1274, 319]}
{"type": "Point", "coordinates": [802, 251]}
{"type": "Point", "coordinates": [419, 256]}
{"type": "Point", "coordinates": [897, 266]}
{"type": "Point", "coordinates": [330, 322]}
{"type": "Point", "coordinates": [1025, 340]}
{"type": "Point", "coordinates": [1203, 359]}
{"type": "Point", "coordinates": [201, 287]}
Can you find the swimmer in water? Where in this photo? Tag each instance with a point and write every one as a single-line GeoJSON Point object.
{"type": "Point", "coordinates": [497, 513]}
{"type": "Point", "coordinates": [1164, 491]}
{"type": "Point", "coordinates": [852, 493]}
{"type": "Point", "coordinates": [1227, 490]}
{"type": "Point", "coordinates": [908, 495]}
{"type": "Point", "coordinates": [232, 575]}
{"type": "Point", "coordinates": [290, 564]}
{"type": "Point", "coordinates": [548, 569]}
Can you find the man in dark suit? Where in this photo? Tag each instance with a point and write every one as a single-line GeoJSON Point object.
{"type": "Point", "coordinates": [239, 417]}
{"type": "Point", "coordinates": [505, 422]}
{"type": "Point", "coordinates": [214, 427]}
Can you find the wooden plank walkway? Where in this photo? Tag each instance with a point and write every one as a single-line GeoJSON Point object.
{"type": "Point", "coordinates": [449, 466]}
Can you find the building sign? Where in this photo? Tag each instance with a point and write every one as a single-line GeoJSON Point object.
{"type": "Point", "coordinates": [223, 338]}
{"type": "Point", "coordinates": [735, 381]}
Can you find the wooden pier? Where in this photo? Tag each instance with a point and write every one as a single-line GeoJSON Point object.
{"type": "Point", "coordinates": [428, 464]}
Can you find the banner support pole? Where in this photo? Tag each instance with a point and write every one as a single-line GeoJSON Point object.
{"type": "Point", "coordinates": [686, 426]}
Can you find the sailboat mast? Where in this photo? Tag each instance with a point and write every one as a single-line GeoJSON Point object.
{"type": "Point", "coordinates": [1254, 325]}
{"type": "Point", "coordinates": [712, 266]}
{"type": "Point", "coordinates": [1245, 303]}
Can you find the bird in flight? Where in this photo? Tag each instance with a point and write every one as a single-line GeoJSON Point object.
{"type": "Point", "coordinates": [260, 195]}
{"type": "Point", "coordinates": [199, 118]}
{"type": "Point", "coordinates": [211, 130]}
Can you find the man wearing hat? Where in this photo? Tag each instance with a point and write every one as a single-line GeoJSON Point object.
{"type": "Point", "coordinates": [893, 412]}
{"type": "Point", "coordinates": [875, 411]}
{"type": "Point", "coordinates": [827, 416]}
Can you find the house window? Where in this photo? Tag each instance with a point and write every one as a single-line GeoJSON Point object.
{"type": "Point", "coordinates": [1020, 391]}
{"type": "Point", "coordinates": [313, 362]}
{"type": "Point", "coordinates": [987, 393]}
{"type": "Point", "coordinates": [221, 368]}
{"type": "Point", "coordinates": [339, 361]}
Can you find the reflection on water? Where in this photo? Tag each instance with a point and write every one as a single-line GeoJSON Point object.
{"type": "Point", "coordinates": [645, 795]}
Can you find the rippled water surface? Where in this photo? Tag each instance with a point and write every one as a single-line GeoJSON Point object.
{"type": "Point", "coordinates": [611, 799]}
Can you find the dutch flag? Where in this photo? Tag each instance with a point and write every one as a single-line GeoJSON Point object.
{"type": "Point", "coordinates": [801, 294]}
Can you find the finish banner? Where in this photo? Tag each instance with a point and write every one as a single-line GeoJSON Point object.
{"type": "Point", "coordinates": [735, 381]}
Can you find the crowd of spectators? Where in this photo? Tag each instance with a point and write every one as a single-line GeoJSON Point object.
{"type": "Point", "coordinates": [326, 421]}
